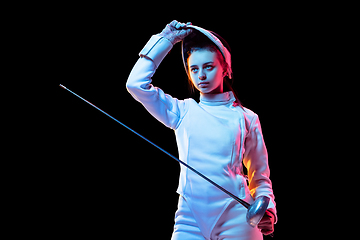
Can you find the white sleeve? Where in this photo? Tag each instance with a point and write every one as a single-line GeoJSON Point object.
{"type": "Point", "coordinates": [162, 106]}
{"type": "Point", "coordinates": [156, 49]}
{"type": "Point", "coordinates": [256, 162]}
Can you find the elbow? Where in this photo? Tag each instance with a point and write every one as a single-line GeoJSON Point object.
{"type": "Point", "coordinates": [131, 88]}
{"type": "Point", "coordinates": [139, 78]}
{"type": "Point", "coordinates": [136, 84]}
{"type": "Point", "coordinates": [131, 84]}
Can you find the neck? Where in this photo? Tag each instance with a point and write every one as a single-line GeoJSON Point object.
{"type": "Point", "coordinates": [217, 98]}
{"type": "Point", "coordinates": [219, 89]}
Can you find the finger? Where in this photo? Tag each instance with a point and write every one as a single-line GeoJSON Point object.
{"type": "Point", "coordinates": [267, 229]}
{"type": "Point", "coordinates": [173, 23]}
{"type": "Point", "coordinates": [264, 228]}
{"type": "Point", "coordinates": [264, 223]}
{"type": "Point", "coordinates": [184, 33]}
{"type": "Point", "coordinates": [188, 23]}
{"type": "Point", "coordinates": [178, 25]}
{"type": "Point", "coordinates": [266, 220]}
{"type": "Point", "coordinates": [267, 232]}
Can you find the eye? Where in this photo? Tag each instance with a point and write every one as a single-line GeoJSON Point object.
{"type": "Point", "coordinates": [209, 67]}
{"type": "Point", "coordinates": [194, 70]}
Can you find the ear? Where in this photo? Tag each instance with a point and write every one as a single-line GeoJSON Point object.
{"type": "Point", "coordinates": [225, 74]}
{"type": "Point", "coordinates": [225, 69]}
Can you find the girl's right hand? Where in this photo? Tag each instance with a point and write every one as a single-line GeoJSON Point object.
{"type": "Point", "coordinates": [176, 31]}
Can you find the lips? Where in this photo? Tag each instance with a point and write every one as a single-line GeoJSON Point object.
{"type": "Point", "coordinates": [203, 84]}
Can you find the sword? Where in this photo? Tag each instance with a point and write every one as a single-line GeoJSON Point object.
{"type": "Point", "coordinates": [256, 210]}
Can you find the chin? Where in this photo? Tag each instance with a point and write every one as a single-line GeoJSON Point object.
{"type": "Point", "coordinates": [204, 91]}
{"type": "Point", "coordinates": [209, 90]}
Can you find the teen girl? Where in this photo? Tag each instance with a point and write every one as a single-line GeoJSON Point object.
{"type": "Point", "coordinates": [215, 136]}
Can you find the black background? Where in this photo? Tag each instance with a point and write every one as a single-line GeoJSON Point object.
{"type": "Point", "coordinates": [108, 181]}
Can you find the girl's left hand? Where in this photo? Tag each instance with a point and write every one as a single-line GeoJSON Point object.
{"type": "Point", "coordinates": [266, 225]}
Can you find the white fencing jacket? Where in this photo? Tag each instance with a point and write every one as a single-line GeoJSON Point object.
{"type": "Point", "coordinates": [214, 136]}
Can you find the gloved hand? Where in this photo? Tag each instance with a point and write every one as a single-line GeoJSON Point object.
{"type": "Point", "coordinates": [175, 31]}
{"type": "Point", "coordinates": [266, 225]}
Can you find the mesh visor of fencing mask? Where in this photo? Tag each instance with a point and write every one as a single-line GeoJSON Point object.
{"type": "Point", "coordinates": [215, 39]}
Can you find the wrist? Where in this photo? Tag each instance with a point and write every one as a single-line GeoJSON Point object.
{"type": "Point", "coordinates": [156, 49]}
{"type": "Point", "coordinates": [167, 37]}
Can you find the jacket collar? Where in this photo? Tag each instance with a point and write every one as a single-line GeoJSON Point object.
{"type": "Point", "coordinates": [217, 98]}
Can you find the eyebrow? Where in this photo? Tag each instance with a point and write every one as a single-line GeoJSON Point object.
{"type": "Point", "coordinates": [211, 62]}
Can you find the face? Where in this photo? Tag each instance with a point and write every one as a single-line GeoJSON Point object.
{"type": "Point", "coordinates": [206, 72]}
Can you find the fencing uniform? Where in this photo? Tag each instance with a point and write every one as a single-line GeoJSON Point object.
{"type": "Point", "coordinates": [214, 136]}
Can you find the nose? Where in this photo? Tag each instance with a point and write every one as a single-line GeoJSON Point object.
{"type": "Point", "coordinates": [202, 75]}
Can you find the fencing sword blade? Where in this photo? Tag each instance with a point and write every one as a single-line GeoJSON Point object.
{"type": "Point", "coordinates": [242, 202]}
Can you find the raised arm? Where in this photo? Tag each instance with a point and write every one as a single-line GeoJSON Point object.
{"type": "Point", "coordinates": [162, 106]}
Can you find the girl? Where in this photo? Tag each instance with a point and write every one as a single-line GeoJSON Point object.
{"type": "Point", "coordinates": [214, 136]}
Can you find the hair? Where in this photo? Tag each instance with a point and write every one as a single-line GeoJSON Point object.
{"type": "Point", "coordinates": [197, 41]}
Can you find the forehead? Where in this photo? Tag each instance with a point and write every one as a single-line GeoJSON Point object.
{"type": "Point", "coordinates": [202, 56]}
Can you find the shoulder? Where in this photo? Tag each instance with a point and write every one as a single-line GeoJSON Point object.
{"type": "Point", "coordinates": [187, 103]}
{"type": "Point", "coordinates": [249, 116]}
{"type": "Point", "coordinates": [248, 112]}
{"type": "Point", "coordinates": [251, 119]}
{"type": "Point", "coordinates": [190, 101]}
{"type": "Point", "coordinates": [184, 106]}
